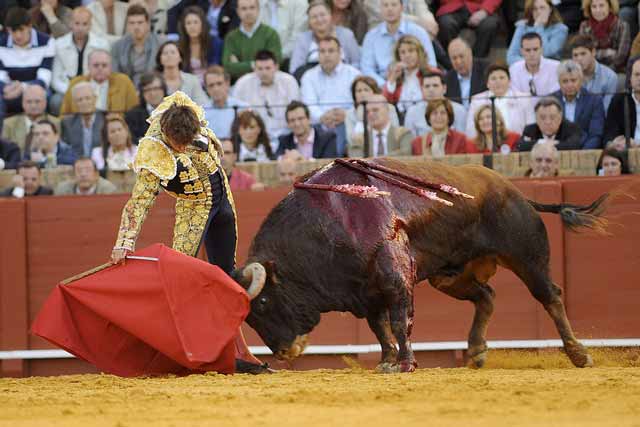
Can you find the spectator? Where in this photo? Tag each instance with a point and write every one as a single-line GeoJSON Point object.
{"type": "Point", "coordinates": [454, 15]}
{"type": "Point", "coordinates": [26, 56]}
{"type": "Point", "coordinates": [542, 17]}
{"type": "Point", "coordinates": [612, 36]}
{"type": "Point", "coordinates": [46, 148]}
{"type": "Point", "coordinates": [26, 182]}
{"type": "Point", "coordinates": [86, 181]}
{"type": "Point", "coordinates": [268, 91]}
{"type": "Point", "coordinates": [350, 14]}
{"type": "Point", "coordinates": [516, 107]}
{"type": "Point", "coordinates": [433, 87]}
{"type": "Point", "coordinates": [287, 171]}
{"type": "Point", "coordinates": [618, 143]}
{"type": "Point", "coordinates": [9, 155]}
{"type": "Point", "coordinates": [543, 160]}
{"type": "Point", "coordinates": [250, 135]}
{"type": "Point", "coordinates": [109, 19]}
{"type": "Point", "coordinates": [242, 44]}
{"type": "Point", "coordinates": [221, 15]}
{"type": "Point", "coordinates": [534, 74]}
{"type": "Point", "coordinates": [117, 151]}
{"type": "Point", "coordinates": [325, 89]}
{"type": "Point", "coordinates": [468, 75]}
{"type": "Point", "coordinates": [361, 88]}
{"type": "Point", "coordinates": [288, 18]}
{"type": "Point", "coordinates": [310, 142]}
{"type": "Point", "coordinates": [483, 142]}
{"type": "Point", "coordinates": [115, 91]}
{"type": "Point", "coordinates": [221, 110]}
{"type": "Point", "coordinates": [81, 130]}
{"type": "Point", "coordinates": [51, 17]}
{"type": "Point", "coordinates": [238, 179]}
{"type": "Point", "coordinates": [169, 64]}
{"type": "Point", "coordinates": [413, 10]}
{"type": "Point", "coordinates": [580, 106]}
{"type": "Point", "coordinates": [378, 44]}
{"type": "Point", "coordinates": [597, 78]}
{"type": "Point", "coordinates": [629, 14]}
{"type": "Point", "coordinates": [404, 75]}
{"type": "Point", "coordinates": [34, 104]}
{"type": "Point", "coordinates": [157, 13]}
{"type": "Point", "coordinates": [441, 139]}
{"type": "Point", "coordinates": [196, 43]}
{"type": "Point", "coordinates": [613, 162]}
{"type": "Point", "coordinates": [305, 51]}
{"type": "Point", "coordinates": [614, 125]}
{"type": "Point", "coordinates": [72, 54]}
{"type": "Point", "coordinates": [385, 139]}
{"type": "Point", "coordinates": [135, 53]}
{"type": "Point", "coordinates": [550, 126]}
{"type": "Point", "coordinates": [152, 91]}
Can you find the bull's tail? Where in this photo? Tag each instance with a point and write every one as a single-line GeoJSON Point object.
{"type": "Point", "coordinates": [576, 216]}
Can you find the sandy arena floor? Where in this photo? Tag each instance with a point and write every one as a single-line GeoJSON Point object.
{"type": "Point", "coordinates": [514, 390]}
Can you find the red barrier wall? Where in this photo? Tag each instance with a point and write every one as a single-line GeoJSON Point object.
{"type": "Point", "coordinates": [45, 240]}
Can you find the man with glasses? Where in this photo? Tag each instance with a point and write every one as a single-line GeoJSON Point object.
{"type": "Point", "coordinates": [223, 108]}
{"type": "Point", "coordinates": [535, 74]}
{"type": "Point", "coordinates": [268, 91]}
{"type": "Point", "coordinates": [551, 127]}
{"type": "Point", "coordinates": [115, 91]}
{"type": "Point", "coordinates": [152, 90]}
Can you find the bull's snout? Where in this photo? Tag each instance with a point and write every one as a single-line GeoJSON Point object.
{"type": "Point", "coordinates": [295, 349]}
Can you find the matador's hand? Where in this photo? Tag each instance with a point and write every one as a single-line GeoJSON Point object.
{"type": "Point", "coordinates": [119, 255]}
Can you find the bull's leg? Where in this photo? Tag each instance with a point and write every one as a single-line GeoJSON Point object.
{"type": "Point", "coordinates": [550, 296]}
{"type": "Point", "coordinates": [379, 324]}
{"type": "Point", "coordinates": [396, 275]}
{"type": "Point", "coordinates": [466, 287]}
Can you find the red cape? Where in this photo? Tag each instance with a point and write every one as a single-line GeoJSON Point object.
{"type": "Point", "coordinates": [178, 315]}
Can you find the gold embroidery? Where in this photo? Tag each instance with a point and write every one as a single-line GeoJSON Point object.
{"type": "Point", "coordinates": [135, 211]}
{"type": "Point", "coordinates": [156, 157]}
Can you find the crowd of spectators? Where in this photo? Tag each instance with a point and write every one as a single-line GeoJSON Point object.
{"type": "Point", "coordinates": [289, 80]}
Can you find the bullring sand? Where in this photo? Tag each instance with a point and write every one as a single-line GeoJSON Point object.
{"type": "Point", "coordinates": [523, 389]}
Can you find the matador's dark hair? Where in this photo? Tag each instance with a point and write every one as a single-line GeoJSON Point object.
{"type": "Point", "coordinates": [180, 124]}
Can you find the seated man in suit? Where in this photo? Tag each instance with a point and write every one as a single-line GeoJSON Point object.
{"type": "Point", "coordinates": [614, 125]}
{"type": "Point", "coordinates": [46, 148]}
{"type": "Point", "coordinates": [9, 155]}
{"type": "Point", "coordinates": [26, 182]}
{"type": "Point", "coordinates": [115, 91]}
{"type": "Point", "coordinates": [384, 138]}
{"type": "Point", "coordinates": [83, 129]}
{"type": "Point", "coordinates": [312, 142]}
{"type": "Point", "coordinates": [467, 77]}
{"type": "Point", "coordinates": [86, 180]}
{"type": "Point", "coordinates": [34, 104]}
{"type": "Point", "coordinates": [579, 105]}
{"type": "Point", "coordinates": [551, 126]}
{"type": "Point", "coordinates": [152, 91]}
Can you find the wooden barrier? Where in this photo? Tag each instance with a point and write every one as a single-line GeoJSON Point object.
{"type": "Point", "coordinates": [577, 163]}
{"type": "Point", "coordinates": [45, 240]}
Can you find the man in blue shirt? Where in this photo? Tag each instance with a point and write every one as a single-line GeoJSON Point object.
{"type": "Point", "coordinates": [377, 48]}
{"type": "Point", "coordinates": [221, 112]}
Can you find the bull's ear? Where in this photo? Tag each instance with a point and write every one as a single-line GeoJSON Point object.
{"type": "Point", "coordinates": [270, 268]}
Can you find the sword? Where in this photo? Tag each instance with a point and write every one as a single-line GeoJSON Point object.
{"type": "Point", "coordinates": [103, 267]}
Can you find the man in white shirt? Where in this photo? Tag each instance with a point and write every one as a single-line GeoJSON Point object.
{"type": "Point", "coordinates": [72, 54]}
{"type": "Point", "coordinates": [534, 74]}
{"type": "Point", "coordinates": [268, 91]}
{"type": "Point", "coordinates": [221, 112]}
{"type": "Point", "coordinates": [326, 89]}
{"type": "Point", "coordinates": [433, 87]}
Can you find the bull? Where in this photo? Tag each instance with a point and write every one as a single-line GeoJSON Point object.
{"type": "Point", "coordinates": [320, 251]}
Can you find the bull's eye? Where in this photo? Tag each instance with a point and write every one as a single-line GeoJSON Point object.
{"type": "Point", "coordinates": [263, 300]}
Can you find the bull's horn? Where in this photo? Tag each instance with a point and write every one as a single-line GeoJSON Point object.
{"type": "Point", "coordinates": [257, 274]}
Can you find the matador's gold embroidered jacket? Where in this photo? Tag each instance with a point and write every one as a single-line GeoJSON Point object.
{"type": "Point", "coordinates": [184, 176]}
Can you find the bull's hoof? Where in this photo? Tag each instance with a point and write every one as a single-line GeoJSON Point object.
{"type": "Point", "coordinates": [243, 367]}
{"type": "Point", "coordinates": [388, 368]}
{"type": "Point", "coordinates": [579, 356]}
{"type": "Point", "coordinates": [478, 360]}
{"type": "Point", "coordinates": [408, 366]}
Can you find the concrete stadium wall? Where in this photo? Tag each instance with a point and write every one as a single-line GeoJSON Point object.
{"type": "Point", "coordinates": [45, 240]}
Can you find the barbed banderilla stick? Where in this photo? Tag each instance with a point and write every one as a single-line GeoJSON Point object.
{"type": "Point", "coordinates": [103, 267]}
